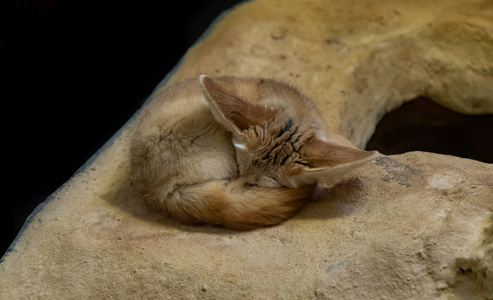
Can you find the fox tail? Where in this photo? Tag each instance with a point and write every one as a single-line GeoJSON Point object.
{"type": "Point", "coordinates": [235, 205]}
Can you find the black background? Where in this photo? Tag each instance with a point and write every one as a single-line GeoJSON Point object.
{"type": "Point", "coordinates": [76, 72]}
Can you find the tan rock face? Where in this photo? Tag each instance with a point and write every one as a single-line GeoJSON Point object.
{"type": "Point", "coordinates": [412, 226]}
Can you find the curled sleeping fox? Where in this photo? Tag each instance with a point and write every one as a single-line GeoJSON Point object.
{"type": "Point", "coordinates": [240, 153]}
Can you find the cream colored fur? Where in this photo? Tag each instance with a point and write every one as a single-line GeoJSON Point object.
{"type": "Point", "coordinates": [241, 153]}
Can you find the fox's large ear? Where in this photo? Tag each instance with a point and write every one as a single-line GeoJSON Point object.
{"type": "Point", "coordinates": [328, 161]}
{"type": "Point", "coordinates": [231, 110]}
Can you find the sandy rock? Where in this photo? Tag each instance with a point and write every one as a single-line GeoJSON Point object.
{"type": "Point", "coordinates": [412, 226]}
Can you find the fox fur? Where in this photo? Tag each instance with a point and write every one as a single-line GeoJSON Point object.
{"type": "Point", "coordinates": [236, 152]}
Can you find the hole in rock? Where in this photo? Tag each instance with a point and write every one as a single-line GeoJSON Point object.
{"type": "Point", "coordinates": [422, 125]}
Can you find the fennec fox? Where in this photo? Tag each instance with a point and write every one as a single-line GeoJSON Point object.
{"type": "Point", "coordinates": [241, 153]}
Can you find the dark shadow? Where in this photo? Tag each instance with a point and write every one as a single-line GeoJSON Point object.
{"type": "Point", "coordinates": [127, 198]}
{"type": "Point", "coordinates": [422, 125]}
{"type": "Point", "coordinates": [337, 201]}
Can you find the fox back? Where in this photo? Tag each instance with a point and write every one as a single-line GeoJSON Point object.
{"type": "Point", "coordinates": [236, 152]}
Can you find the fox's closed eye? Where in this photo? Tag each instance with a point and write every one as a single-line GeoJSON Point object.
{"type": "Point", "coordinates": [268, 181]}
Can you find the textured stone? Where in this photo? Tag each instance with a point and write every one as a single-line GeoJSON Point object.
{"type": "Point", "coordinates": [411, 226]}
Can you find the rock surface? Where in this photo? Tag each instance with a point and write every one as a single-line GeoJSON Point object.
{"type": "Point", "coordinates": [412, 226]}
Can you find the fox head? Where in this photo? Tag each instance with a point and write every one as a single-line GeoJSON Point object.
{"type": "Point", "coordinates": [276, 147]}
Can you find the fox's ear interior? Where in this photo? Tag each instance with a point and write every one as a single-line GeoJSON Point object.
{"type": "Point", "coordinates": [329, 160]}
{"type": "Point", "coordinates": [231, 110]}
{"type": "Point", "coordinates": [320, 154]}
